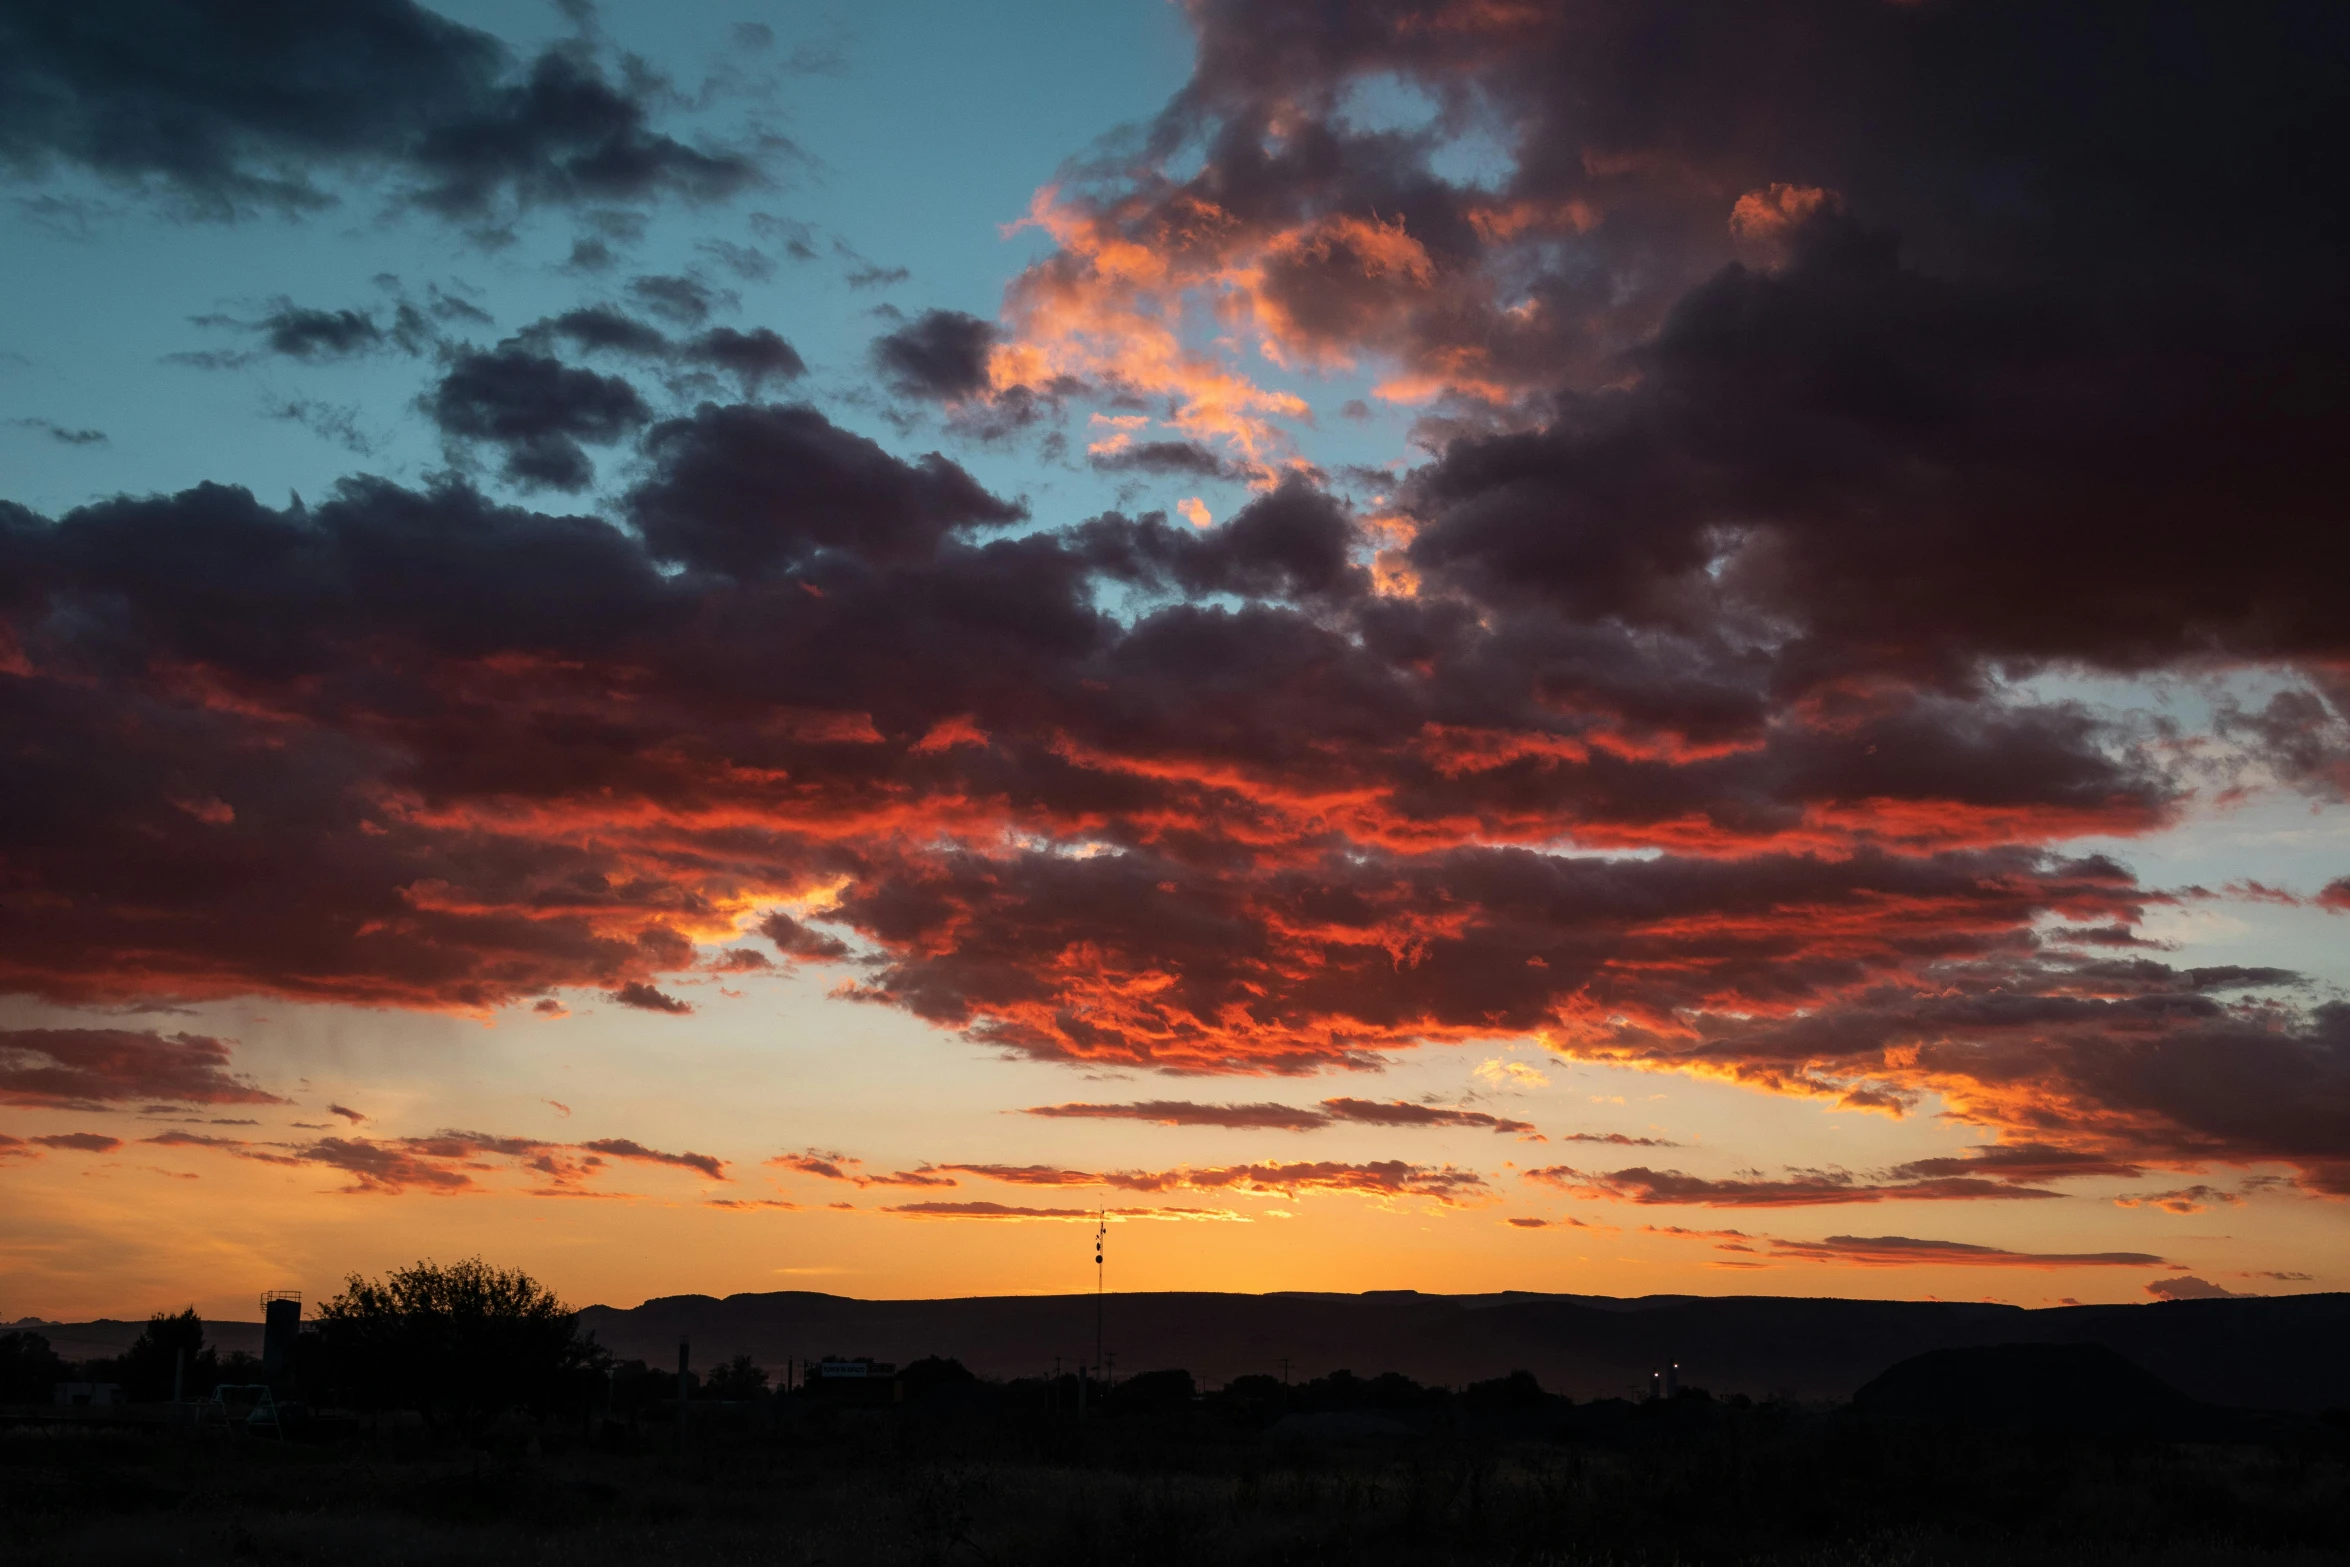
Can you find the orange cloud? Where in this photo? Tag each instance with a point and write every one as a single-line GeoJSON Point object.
{"type": "Point", "coordinates": [1898, 1251]}
{"type": "Point", "coordinates": [447, 1162]}
{"type": "Point", "coordinates": [840, 1167]}
{"type": "Point", "coordinates": [1804, 1189]}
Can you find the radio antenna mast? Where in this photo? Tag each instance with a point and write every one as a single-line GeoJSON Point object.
{"type": "Point", "coordinates": [1100, 1230]}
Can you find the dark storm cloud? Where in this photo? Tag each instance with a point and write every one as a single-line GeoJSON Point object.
{"type": "Point", "coordinates": [940, 354]}
{"type": "Point", "coordinates": [749, 491]}
{"type": "Point", "coordinates": [232, 105]}
{"type": "Point", "coordinates": [311, 335]}
{"type": "Point", "coordinates": [2302, 734]}
{"type": "Point", "coordinates": [1635, 148]}
{"type": "Point", "coordinates": [2058, 491]}
{"type": "Point", "coordinates": [1786, 394]}
{"type": "Point", "coordinates": [595, 328]}
{"type": "Point", "coordinates": [754, 358]}
{"type": "Point", "coordinates": [1740, 316]}
{"type": "Point", "coordinates": [536, 410]}
{"type": "Point", "coordinates": [796, 940]}
{"type": "Point", "coordinates": [73, 1068]}
{"type": "Point", "coordinates": [1294, 543]}
{"type": "Point", "coordinates": [402, 709]}
{"type": "Point", "coordinates": [1461, 944]}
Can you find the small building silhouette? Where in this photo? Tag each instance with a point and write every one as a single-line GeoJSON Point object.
{"type": "Point", "coordinates": [88, 1395]}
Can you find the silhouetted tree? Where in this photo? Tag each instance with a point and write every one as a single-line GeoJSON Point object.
{"type": "Point", "coordinates": [462, 1341]}
{"type": "Point", "coordinates": [1152, 1393]}
{"type": "Point", "coordinates": [741, 1378]}
{"type": "Point", "coordinates": [146, 1368]}
{"type": "Point", "coordinates": [29, 1368]}
{"type": "Point", "coordinates": [1518, 1390]}
{"type": "Point", "coordinates": [931, 1371]}
{"type": "Point", "coordinates": [637, 1389]}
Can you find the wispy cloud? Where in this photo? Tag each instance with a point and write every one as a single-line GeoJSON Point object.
{"type": "Point", "coordinates": [1267, 1116]}
{"type": "Point", "coordinates": [449, 1161]}
{"type": "Point", "coordinates": [1798, 1189]}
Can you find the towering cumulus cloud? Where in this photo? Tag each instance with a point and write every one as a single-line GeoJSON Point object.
{"type": "Point", "coordinates": [1812, 394]}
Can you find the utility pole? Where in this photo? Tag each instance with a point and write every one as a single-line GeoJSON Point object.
{"type": "Point", "coordinates": [1285, 1371]}
{"type": "Point", "coordinates": [1101, 1230]}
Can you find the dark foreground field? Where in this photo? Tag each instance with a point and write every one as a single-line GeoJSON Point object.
{"type": "Point", "coordinates": [1693, 1482]}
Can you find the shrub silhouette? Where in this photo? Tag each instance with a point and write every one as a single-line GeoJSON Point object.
{"type": "Point", "coordinates": [1517, 1391]}
{"type": "Point", "coordinates": [461, 1341]}
{"type": "Point", "coordinates": [931, 1371]}
{"type": "Point", "coordinates": [741, 1378]}
{"type": "Point", "coordinates": [146, 1368]}
{"type": "Point", "coordinates": [29, 1368]}
{"type": "Point", "coordinates": [1153, 1393]}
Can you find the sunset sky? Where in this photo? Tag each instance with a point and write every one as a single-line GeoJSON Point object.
{"type": "Point", "coordinates": [1447, 644]}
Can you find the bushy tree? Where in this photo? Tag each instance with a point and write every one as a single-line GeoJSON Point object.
{"type": "Point", "coordinates": [29, 1368]}
{"type": "Point", "coordinates": [637, 1389]}
{"type": "Point", "coordinates": [1152, 1393]}
{"type": "Point", "coordinates": [146, 1369]}
{"type": "Point", "coordinates": [1517, 1391]}
{"type": "Point", "coordinates": [932, 1371]}
{"type": "Point", "coordinates": [461, 1341]}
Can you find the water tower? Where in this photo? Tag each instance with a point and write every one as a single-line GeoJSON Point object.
{"type": "Point", "coordinates": [281, 1323]}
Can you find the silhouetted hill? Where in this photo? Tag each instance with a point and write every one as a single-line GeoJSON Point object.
{"type": "Point", "coordinates": [2279, 1352]}
{"type": "Point", "coordinates": [108, 1336]}
{"type": "Point", "coordinates": [2067, 1389]}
